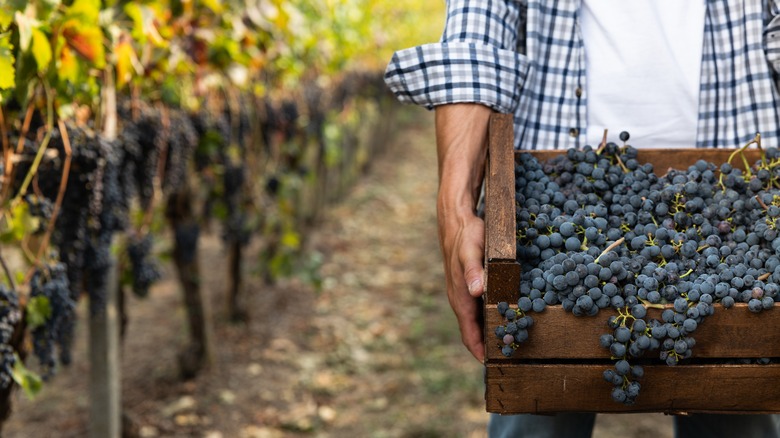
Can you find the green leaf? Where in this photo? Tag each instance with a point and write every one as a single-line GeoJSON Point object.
{"type": "Point", "coordinates": [44, 9]}
{"type": "Point", "coordinates": [6, 62]}
{"type": "Point", "coordinates": [38, 311]}
{"type": "Point", "coordinates": [144, 24]}
{"type": "Point", "coordinates": [7, 10]}
{"type": "Point", "coordinates": [18, 224]}
{"type": "Point", "coordinates": [41, 49]}
{"type": "Point", "coordinates": [135, 13]}
{"type": "Point", "coordinates": [87, 10]}
{"type": "Point", "coordinates": [25, 75]}
{"type": "Point", "coordinates": [30, 382]}
{"type": "Point", "coordinates": [20, 276]}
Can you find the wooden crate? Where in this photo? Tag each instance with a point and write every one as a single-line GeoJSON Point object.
{"type": "Point", "coordinates": [553, 373]}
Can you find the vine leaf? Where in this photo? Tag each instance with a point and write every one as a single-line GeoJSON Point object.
{"type": "Point", "coordinates": [145, 24]}
{"type": "Point", "coordinates": [68, 68]}
{"type": "Point", "coordinates": [41, 49]}
{"type": "Point", "coordinates": [30, 382]}
{"type": "Point", "coordinates": [85, 40]}
{"type": "Point", "coordinates": [18, 224]}
{"type": "Point", "coordinates": [126, 62]}
{"type": "Point", "coordinates": [38, 311]}
{"type": "Point", "coordinates": [6, 62]}
{"type": "Point", "coordinates": [87, 11]}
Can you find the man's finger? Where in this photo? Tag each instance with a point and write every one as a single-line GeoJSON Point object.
{"type": "Point", "coordinates": [471, 335]}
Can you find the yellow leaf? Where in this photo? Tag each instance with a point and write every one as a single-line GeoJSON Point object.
{"type": "Point", "coordinates": [68, 68]}
{"type": "Point", "coordinates": [6, 17]}
{"type": "Point", "coordinates": [214, 5]}
{"type": "Point", "coordinates": [87, 41]}
{"type": "Point", "coordinates": [41, 49]}
{"type": "Point", "coordinates": [124, 63]}
{"type": "Point", "coordinates": [6, 62]}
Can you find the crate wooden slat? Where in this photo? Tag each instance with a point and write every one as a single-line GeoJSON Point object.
{"type": "Point", "coordinates": [557, 334]}
{"type": "Point", "coordinates": [500, 184]}
{"type": "Point", "coordinates": [550, 388]}
{"type": "Point", "coordinates": [522, 384]}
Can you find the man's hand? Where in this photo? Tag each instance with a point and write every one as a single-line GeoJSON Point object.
{"type": "Point", "coordinates": [461, 135]}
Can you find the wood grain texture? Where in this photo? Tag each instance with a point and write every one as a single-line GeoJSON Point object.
{"type": "Point", "coordinates": [677, 158]}
{"type": "Point", "coordinates": [500, 222]}
{"type": "Point", "coordinates": [557, 334]}
{"type": "Point", "coordinates": [515, 389]}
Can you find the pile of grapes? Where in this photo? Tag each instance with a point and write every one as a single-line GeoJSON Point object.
{"type": "Point", "coordinates": [597, 229]}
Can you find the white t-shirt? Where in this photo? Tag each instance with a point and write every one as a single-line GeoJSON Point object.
{"type": "Point", "coordinates": [643, 60]}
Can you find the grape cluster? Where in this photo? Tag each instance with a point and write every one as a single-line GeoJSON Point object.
{"type": "Point", "coordinates": [142, 142]}
{"type": "Point", "coordinates": [10, 316]}
{"type": "Point", "coordinates": [144, 270]}
{"type": "Point", "coordinates": [515, 331]}
{"type": "Point", "coordinates": [51, 283]}
{"type": "Point", "coordinates": [597, 229]}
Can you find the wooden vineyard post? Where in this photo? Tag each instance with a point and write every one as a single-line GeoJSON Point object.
{"type": "Point", "coordinates": [186, 233]}
{"type": "Point", "coordinates": [104, 382]}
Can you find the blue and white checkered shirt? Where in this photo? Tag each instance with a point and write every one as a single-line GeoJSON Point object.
{"type": "Point", "coordinates": [527, 58]}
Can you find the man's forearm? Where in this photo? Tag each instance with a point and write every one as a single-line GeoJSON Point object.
{"type": "Point", "coordinates": [461, 133]}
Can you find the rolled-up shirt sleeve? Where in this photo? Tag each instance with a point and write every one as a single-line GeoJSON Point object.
{"type": "Point", "coordinates": [476, 60]}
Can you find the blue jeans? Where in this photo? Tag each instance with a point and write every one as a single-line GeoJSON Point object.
{"type": "Point", "coordinates": [576, 425]}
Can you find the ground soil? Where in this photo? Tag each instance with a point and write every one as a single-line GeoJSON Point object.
{"type": "Point", "coordinates": [375, 353]}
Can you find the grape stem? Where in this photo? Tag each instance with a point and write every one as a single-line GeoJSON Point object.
{"type": "Point", "coordinates": [651, 305]}
{"type": "Point", "coordinates": [763, 277]}
{"type": "Point", "coordinates": [757, 141]}
{"type": "Point", "coordinates": [44, 143]}
{"type": "Point", "coordinates": [760, 201]}
{"type": "Point", "coordinates": [61, 193]}
{"type": "Point", "coordinates": [610, 248]}
{"type": "Point", "coordinates": [603, 143]}
{"type": "Point", "coordinates": [7, 272]}
{"type": "Point", "coordinates": [620, 163]}
{"type": "Point", "coordinates": [157, 182]}
{"type": "Point", "coordinates": [10, 169]}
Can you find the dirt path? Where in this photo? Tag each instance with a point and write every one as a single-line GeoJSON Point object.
{"type": "Point", "coordinates": [375, 353]}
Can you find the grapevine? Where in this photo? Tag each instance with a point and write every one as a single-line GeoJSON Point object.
{"type": "Point", "coordinates": [115, 116]}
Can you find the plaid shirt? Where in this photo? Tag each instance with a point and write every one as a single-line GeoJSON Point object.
{"type": "Point", "coordinates": [527, 58]}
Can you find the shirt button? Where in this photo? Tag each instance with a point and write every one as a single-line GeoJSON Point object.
{"type": "Point", "coordinates": [578, 92]}
{"type": "Point", "coordinates": [574, 132]}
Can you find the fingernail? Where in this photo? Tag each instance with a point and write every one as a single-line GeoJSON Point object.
{"type": "Point", "coordinates": [475, 286]}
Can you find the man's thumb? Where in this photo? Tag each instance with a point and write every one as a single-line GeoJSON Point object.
{"type": "Point", "coordinates": [475, 280]}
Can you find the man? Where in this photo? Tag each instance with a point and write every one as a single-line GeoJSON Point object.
{"type": "Point", "coordinates": [672, 73]}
